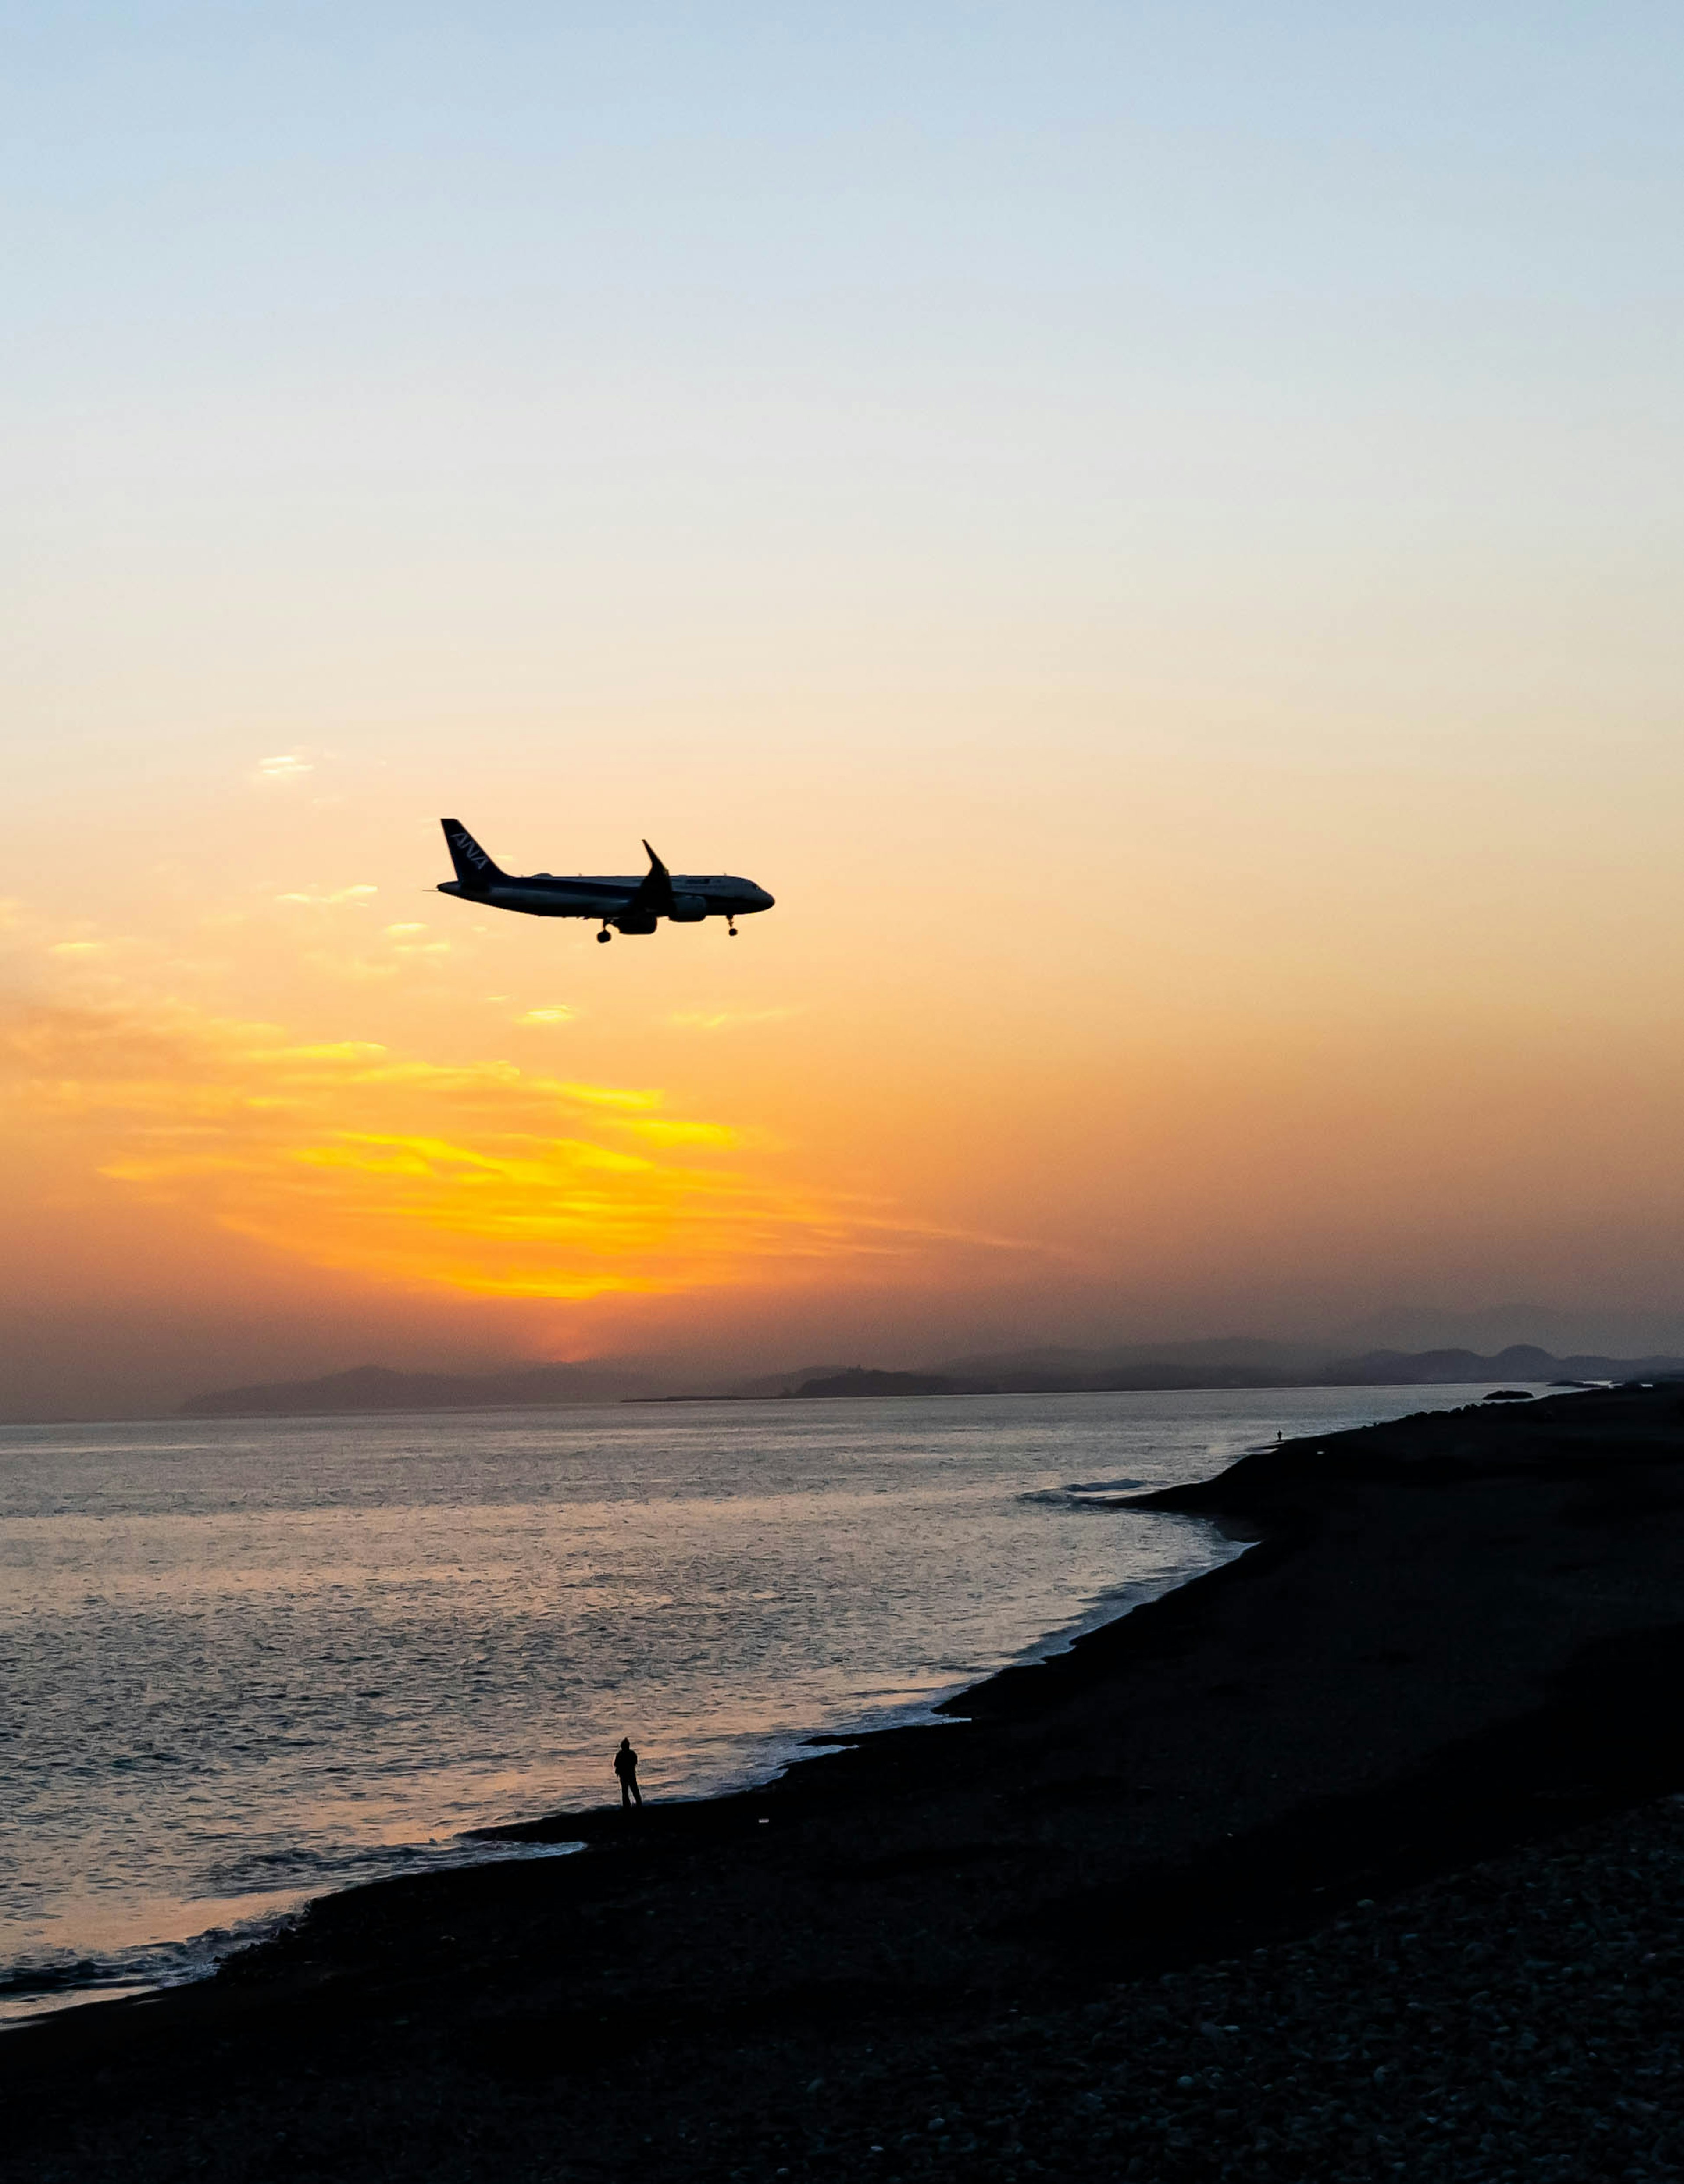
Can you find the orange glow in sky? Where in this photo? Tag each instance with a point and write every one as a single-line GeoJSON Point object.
{"type": "Point", "coordinates": [482, 1179]}
{"type": "Point", "coordinates": [1155, 536]}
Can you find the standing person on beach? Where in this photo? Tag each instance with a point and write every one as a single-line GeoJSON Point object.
{"type": "Point", "coordinates": [626, 1767]}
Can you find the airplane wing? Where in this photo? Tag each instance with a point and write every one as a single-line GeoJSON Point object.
{"type": "Point", "coordinates": [653, 892]}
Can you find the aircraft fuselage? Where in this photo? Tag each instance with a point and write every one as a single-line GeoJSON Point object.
{"type": "Point", "coordinates": [629, 903]}
{"type": "Point", "coordinates": [543, 895]}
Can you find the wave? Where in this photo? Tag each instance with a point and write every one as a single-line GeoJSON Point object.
{"type": "Point", "coordinates": [1090, 1494]}
{"type": "Point", "coordinates": [31, 1986]}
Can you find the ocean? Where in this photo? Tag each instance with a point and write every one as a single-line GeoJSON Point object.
{"type": "Point", "coordinates": [247, 1661]}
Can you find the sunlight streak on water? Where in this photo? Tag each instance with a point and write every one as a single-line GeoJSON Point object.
{"type": "Point", "coordinates": [248, 1660]}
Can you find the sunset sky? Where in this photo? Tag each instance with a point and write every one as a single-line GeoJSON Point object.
{"type": "Point", "coordinates": [1155, 531]}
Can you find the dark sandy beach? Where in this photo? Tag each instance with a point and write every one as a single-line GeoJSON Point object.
{"type": "Point", "coordinates": [1355, 1857]}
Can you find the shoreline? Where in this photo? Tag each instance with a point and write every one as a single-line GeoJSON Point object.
{"type": "Point", "coordinates": [99, 1973]}
{"type": "Point", "coordinates": [1437, 1652]}
{"type": "Point", "coordinates": [468, 1848]}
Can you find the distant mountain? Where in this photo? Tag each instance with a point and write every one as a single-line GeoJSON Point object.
{"type": "Point", "coordinates": [1491, 1328]}
{"type": "Point", "coordinates": [377, 1388]}
{"type": "Point", "coordinates": [1521, 1361]}
{"type": "Point", "coordinates": [778, 1383]}
{"type": "Point", "coordinates": [1223, 1363]}
{"type": "Point", "coordinates": [1215, 1365]}
{"type": "Point", "coordinates": [1030, 1380]}
{"type": "Point", "coordinates": [1221, 1353]}
{"type": "Point", "coordinates": [860, 1380]}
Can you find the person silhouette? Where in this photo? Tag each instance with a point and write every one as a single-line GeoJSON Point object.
{"type": "Point", "coordinates": [626, 1767]}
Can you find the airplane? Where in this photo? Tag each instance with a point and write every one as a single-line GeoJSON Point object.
{"type": "Point", "coordinates": [628, 906]}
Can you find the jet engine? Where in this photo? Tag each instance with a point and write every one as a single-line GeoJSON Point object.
{"type": "Point", "coordinates": [636, 921]}
{"type": "Point", "coordinates": [687, 909]}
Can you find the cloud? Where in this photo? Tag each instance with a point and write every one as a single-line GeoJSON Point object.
{"type": "Point", "coordinates": [615, 1096]}
{"type": "Point", "coordinates": [726, 1019]}
{"type": "Point", "coordinates": [481, 1178]}
{"type": "Point", "coordinates": [358, 895]}
{"type": "Point", "coordinates": [285, 766]}
{"type": "Point", "coordinates": [560, 1013]}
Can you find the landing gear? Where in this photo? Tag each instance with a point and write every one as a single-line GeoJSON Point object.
{"type": "Point", "coordinates": [730, 927]}
{"type": "Point", "coordinates": [605, 934]}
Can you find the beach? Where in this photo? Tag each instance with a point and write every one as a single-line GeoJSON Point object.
{"type": "Point", "coordinates": [1445, 1661]}
{"type": "Point", "coordinates": [249, 1664]}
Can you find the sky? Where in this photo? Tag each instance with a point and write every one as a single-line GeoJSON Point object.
{"type": "Point", "coordinates": [1154, 531]}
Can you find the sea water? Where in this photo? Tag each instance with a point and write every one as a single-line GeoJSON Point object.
{"type": "Point", "coordinates": [245, 1662]}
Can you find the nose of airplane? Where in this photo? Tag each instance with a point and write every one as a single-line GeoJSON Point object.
{"type": "Point", "coordinates": [763, 900]}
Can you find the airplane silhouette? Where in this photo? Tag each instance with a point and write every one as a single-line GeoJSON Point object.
{"type": "Point", "coordinates": [628, 906]}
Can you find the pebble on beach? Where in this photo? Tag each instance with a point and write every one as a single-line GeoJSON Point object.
{"type": "Point", "coordinates": [1521, 2021]}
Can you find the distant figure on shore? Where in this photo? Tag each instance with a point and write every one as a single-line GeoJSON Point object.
{"type": "Point", "coordinates": [626, 1767]}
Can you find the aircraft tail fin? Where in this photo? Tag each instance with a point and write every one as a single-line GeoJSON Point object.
{"type": "Point", "coordinates": [475, 869]}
